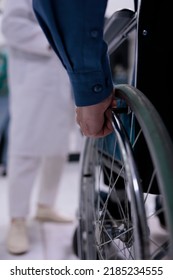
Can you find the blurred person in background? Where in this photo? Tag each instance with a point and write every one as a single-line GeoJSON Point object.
{"type": "Point", "coordinates": [41, 114]}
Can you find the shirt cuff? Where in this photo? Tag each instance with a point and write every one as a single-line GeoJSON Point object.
{"type": "Point", "coordinates": [90, 88]}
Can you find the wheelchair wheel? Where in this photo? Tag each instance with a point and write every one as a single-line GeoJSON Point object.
{"type": "Point", "coordinates": [120, 174]}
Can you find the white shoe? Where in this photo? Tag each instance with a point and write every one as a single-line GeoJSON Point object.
{"type": "Point", "coordinates": [17, 239]}
{"type": "Point", "coordinates": [47, 214]}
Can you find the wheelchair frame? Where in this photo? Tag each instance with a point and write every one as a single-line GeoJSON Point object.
{"type": "Point", "coordinates": [113, 221]}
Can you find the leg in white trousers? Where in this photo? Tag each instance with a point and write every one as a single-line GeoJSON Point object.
{"type": "Point", "coordinates": [50, 175]}
{"type": "Point", "coordinates": [22, 173]}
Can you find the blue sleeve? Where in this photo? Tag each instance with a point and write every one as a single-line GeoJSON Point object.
{"type": "Point", "coordinates": [75, 31]}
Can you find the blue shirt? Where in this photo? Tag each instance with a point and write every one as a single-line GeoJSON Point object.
{"type": "Point", "coordinates": [75, 32]}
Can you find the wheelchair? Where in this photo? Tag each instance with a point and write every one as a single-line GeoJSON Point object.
{"type": "Point", "coordinates": [122, 174]}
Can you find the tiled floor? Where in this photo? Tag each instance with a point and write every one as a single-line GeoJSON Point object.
{"type": "Point", "coordinates": [48, 240]}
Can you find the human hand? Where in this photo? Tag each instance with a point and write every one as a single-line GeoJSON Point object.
{"type": "Point", "coordinates": [95, 120]}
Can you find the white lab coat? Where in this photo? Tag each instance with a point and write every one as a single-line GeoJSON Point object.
{"type": "Point", "coordinates": [41, 104]}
